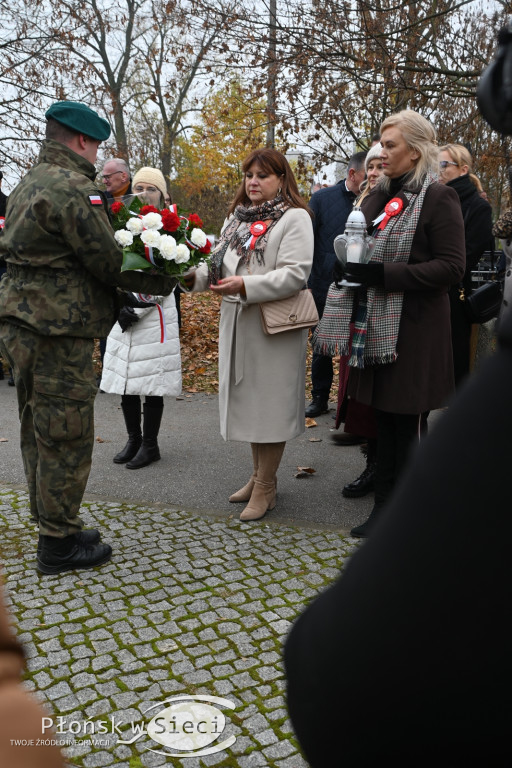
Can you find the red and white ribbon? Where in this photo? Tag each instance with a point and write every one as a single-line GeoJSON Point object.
{"type": "Point", "coordinates": [256, 229]}
{"type": "Point", "coordinates": [392, 208]}
{"type": "Point", "coordinates": [163, 329]}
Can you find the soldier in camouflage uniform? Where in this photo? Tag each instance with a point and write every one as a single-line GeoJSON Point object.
{"type": "Point", "coordinates": [59, 294]}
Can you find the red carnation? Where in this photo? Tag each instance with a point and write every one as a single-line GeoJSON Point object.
{"type": "Point", "coordinates": [206, 248]}
{"type": "Point", "coordinates": [148, 209]}
{"type": "Point", "coordinates": [195, 220]}
{"type": "Point", "coordinates": [116, 207]}
{"type": "Point", "coordinates": [170, 221]}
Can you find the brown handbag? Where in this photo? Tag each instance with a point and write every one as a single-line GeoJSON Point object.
{"type": "Point", "coordinates": [297, 311]}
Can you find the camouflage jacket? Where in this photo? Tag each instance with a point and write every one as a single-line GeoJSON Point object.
{"type": "Point", "coordinates": [63, 264]}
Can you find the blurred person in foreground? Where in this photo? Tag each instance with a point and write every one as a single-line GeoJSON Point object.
{"type": "Point", "coordinates": [59, 294]}
{"type": "Point", "coordinates": [261, 377]}
{"type": "Point", "coordinates": [400, 349]}
{"type": "Point", "coordinates": [21, 715]}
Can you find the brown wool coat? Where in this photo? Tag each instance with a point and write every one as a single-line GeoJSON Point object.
{"type": "Point", "coordinates": [421, 379]}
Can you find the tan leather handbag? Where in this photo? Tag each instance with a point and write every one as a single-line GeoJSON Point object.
{"type": "Point", "coordinates": [297, 311]}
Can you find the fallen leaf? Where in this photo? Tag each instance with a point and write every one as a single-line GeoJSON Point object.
{"type": "Point", "coordinates": [305, 471]}
{"type": "Point", "coordinates": [310, 423]}
{"type": "Point", "coordinates": [315, 439]}
{"type": "Point", "coordinates": [99, 440]}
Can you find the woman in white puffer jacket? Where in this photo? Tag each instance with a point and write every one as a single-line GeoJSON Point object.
{"type": "Point", "coordinates": [137, 362]}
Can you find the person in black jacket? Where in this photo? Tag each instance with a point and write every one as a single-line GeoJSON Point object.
{"type": "Point", "coordinates": [455, 165]}
{"type": "Point", "coordinates": [331, 207]}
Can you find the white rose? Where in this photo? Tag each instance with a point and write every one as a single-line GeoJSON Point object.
{"type": "Point", "coordinates": [167, 247]}
{"type": "Point", "coordinates": [123, 237]}
{"type": "Point", "coordinates": [135, 225]}
{"type": "Point", "coordinates": [182, 254]}
{"type": "Point", "coordinates": [152, 221]}
{"type": "Point", "coordinates": [151, 237]}
{"type": "Point", "coordinates": [198, 237]}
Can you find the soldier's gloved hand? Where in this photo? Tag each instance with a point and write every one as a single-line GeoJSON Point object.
{"type": "Point", "coordinates": [168, 284]}
{"type": "Point", "coordinates": [366, 274]}
{"type": "Point", "coordinates": [130, 300]}
{"type": "Point", "coordinates": [126, 318]}
{"type": "Point", "coordinates": [338, 273]}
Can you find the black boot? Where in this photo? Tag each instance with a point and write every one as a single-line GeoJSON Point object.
{"type": "Point", "coordinates": [131, 411]}
{"type": "Point", "coordinates": [364, 483]}
{"type": "Point", "coordinates": [149, 451]}
{"type": "Point", "coordinates": [363, 530]}
{"type": "Point", "coordinates": [68, 554]}
{"type": "Point", "coordinates": [85, 538]}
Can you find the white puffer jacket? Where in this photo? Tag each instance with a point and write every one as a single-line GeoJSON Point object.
{"type": "Point", "coordinates": [136, 363]}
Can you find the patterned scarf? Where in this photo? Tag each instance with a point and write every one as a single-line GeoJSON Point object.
{"type": "Point", "coordinates": [237, 234]}
{"type": "Point", "coordinates": [378, 312]}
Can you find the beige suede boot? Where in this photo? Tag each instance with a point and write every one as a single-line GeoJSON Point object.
{"type": "Point", "coordinates": [263, 495]}
{"type": "Point", "coordinates": [244, 494]}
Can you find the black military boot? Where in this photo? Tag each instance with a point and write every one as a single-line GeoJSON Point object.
{"type": "Point", "coordinates": [85, 538]}
{"type": "Point", "coordinates": [149, 451]}
{"type": "Point", "coordinates": [130, 405]}
{"type": "Point", "coordinates": [68, 554]}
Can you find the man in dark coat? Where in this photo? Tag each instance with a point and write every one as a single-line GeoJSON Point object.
{"type": "Point", "coordinates": [331, 207]}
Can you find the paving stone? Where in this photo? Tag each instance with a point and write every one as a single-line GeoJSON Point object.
{"type": "Point", "coordinates": [204, 611]}
{"type": "Point", "coordinates": [296, 761]}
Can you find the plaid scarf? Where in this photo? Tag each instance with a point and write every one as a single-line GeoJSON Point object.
{"type": "Point", "coordinates": [378, 312]}
{"type": "Point", "coordinates": [237, 235]}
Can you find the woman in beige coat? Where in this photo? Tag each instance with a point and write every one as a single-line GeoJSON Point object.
{"type": "Point", "coordinates": [261, 378]}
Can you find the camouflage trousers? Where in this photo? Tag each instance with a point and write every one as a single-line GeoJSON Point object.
{"type": "Point", "coordinates": [56, 387]}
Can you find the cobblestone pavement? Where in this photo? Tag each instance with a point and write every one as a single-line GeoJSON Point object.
{"type": "Point", "coordinates": [190, 604]}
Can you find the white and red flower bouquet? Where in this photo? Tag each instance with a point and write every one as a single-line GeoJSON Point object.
{"type": "Point", "coordinates": [161, 240]}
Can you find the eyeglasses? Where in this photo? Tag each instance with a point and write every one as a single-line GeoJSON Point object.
{"type": "Point", "coordinates": [107, 176]}
{"type": "Point", "coordinates": [445, 163]}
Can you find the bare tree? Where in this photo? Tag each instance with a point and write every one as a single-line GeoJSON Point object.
{"type": "Point", "coordinates": [26, 61]}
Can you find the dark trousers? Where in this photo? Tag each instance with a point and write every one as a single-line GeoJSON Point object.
{"type": "Point", "coordinates": [321, 376]}
{"type": "Point", "coordinates": [397, 434]}
{"type": "Point", "coordinates": [321, 365]}
{"type": "Point", "coordinates": [461, 337]}
{"type": "Point", "coordinates": [55, 385]}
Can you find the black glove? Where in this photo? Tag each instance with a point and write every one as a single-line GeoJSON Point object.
{"type": "Point", "coordinates": [338, 273]}
{"type": "Point", "coordinates": [366, 274]}
{"type": "Point", "coordinates": [130, 300]}
{"type": "Point", "coordinates": [126, 318]}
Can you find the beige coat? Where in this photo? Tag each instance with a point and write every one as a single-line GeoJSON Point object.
{"type": "Point", "coordinates": [262, 378]}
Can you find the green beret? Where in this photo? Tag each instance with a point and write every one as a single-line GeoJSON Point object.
{"type": "Point", "coordinates": [80, 118]}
